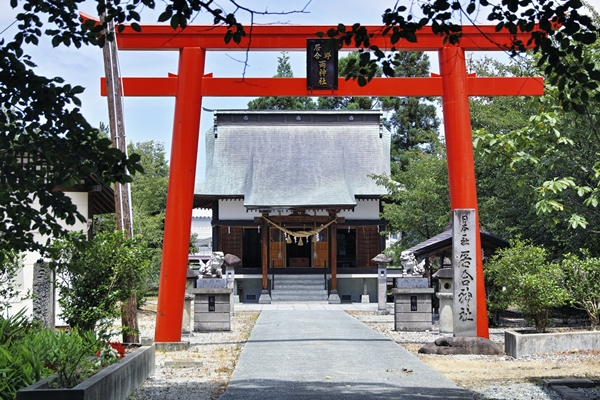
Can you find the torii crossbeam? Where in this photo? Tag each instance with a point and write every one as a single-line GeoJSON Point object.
{"type": "Point", "coordinates": [191, 84]}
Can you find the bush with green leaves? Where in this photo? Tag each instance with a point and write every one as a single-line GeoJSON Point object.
{"type": "Point", "coordinates": [533, 284]}
{"type": "Point", "coordinates": [15, 371]}
{"type": "Point", "coordinates": [69, 356]}
{"type": "Point", "coordinates": [582, 283]}
{"type": "Point", "coordinates": [94, 280]}
{"type": "Point", "coordinates": [29, 353]}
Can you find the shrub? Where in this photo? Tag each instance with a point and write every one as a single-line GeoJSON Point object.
{"type": "Point", "coordinates": [69, 357]}
{"type": "Point", "coordinates": [94, 280]}
{"type": "Point", "coordinates": [582, 283]}
{"type": "Point", "coordinates": [19, 366]}
{"type": "Point", "coordinates": [532, 283]}
{"type": "Point", "coordinates": [29, 353]}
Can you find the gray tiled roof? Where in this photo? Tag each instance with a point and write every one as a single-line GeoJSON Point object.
{"type": "Point", "coordinates": [443, 241]}
{"type": "Point", "coordinates": [316, 158]}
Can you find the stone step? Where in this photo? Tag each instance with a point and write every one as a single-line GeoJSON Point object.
{"type": "Point", "coordinates": [299, 288]}
{"type": "Point", "coordinates": [312, 295]}
{"type": "Point", "coordinates": [291, 285]}
{"type": "Point", "coordinates": [296, 291]}
{"type": "Point", "coordinates": [299, 278]}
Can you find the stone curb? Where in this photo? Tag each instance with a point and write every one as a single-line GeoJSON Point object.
{"type": "Point", "coordinates": [567, 388]}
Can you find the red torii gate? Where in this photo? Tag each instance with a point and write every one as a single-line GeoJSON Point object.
{"type": "Point", "coordinates": [190, 85]}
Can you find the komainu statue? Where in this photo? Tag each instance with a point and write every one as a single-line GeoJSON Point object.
{"type": "Point", "coordinates": [212, 268]}
{"type": "Point", "coordinates": [410, 264]}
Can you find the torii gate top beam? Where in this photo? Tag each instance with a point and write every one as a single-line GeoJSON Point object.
{"type": "Point", "coordinates": [284, 37]}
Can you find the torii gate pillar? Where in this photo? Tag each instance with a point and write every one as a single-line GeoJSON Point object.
{"type": "Point", "coordinates": [459, 153]}
{"type": "Point", "coordinates": [180, 198]}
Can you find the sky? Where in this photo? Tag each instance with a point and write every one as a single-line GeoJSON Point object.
{"type": "Point", "coordinates": [151, 118]}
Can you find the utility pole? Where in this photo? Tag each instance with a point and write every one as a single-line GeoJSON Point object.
{"type": "Point", "coordinates": [122, 191]}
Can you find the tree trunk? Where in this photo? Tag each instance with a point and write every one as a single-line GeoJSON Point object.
{"type": "Point", "coordinates": [129, 320]}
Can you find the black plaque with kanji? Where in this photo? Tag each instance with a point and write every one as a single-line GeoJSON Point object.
{"type": "Point", "coordinates": [321, 65]}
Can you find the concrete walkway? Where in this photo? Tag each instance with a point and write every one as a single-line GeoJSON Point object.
{"type": "Point", "coordinates": [310, 305]}
{"type": "Point", "coordinates": [327, 354]}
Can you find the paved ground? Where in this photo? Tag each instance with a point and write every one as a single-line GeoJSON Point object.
{"type": "Point", "coordinates": [317, 351]}
{"type": "Point", "coordinates": [310, 305]}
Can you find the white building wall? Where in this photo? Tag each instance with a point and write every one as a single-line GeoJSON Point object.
{"type": "Point", "coordinates": [365, 209]}
{"type": "Point", "coordinates": [201, 223]}
{"type": "Point", "coordinates": [234, 209]}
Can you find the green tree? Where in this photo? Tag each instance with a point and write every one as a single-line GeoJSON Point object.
{"type": "Point", "coordinates": [418, 198]}
{"type": "Point", "coordinates": [93, 282]}
{"type": "Point", "coordinates": [413, 120]}
{"type": "Point", "coordinates": [148, 201]}
{"type": "Point", "coordinates": [505, 193]}
{"type": "Point", "coordinates": [284, 70]}
{"type": "Point", "coordinates": [536, 168]}
{"type": "Point", "coordinates": [347, 103]}
{"type": "Point", "coordinates": [582, 283]}
{"type": "Point", "coordinates": [533, 284]}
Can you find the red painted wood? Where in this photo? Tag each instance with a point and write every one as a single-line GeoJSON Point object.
{"type": "Point", "coordinates": [180, 199]}
{"type": "Point", "coordinates": [459, 152]}
{"type": "Point", "coordinates": [254, 87]}
{"type": "Point", "coordinates": [293, 37]}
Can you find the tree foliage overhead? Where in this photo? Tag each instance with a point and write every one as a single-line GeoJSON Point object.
{"type": "Point", "coordinates": [559, 32]}
{"type": "Point", "coordinates": [537, 167]}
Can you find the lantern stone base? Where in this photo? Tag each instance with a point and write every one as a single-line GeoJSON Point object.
{"type": "Point", "coordinates": [212, 309]}
{"type": "Point", "coordinates": [412, 309]}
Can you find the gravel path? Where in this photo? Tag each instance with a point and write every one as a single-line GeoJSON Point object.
{"type": "Point", "coordinates": [203, 371]}
{"type": "Point", "coordinates": [494, 386]}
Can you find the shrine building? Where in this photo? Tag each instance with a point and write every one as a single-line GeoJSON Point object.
{"type": "Point", "coordinates": [292, 196]}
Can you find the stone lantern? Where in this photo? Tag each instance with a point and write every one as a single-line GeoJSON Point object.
{"type": "Point", "coordinates": [445, 295]}
{"type": "Point", "coordinates": [190, 281]}
{"type": "Point", "coordinates": [382, 261]}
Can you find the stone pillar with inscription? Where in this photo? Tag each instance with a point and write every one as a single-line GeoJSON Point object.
{"type": "Point", "coordinates": [464, 313]}
{"type": "Point", "coordinates": [43, 294]}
